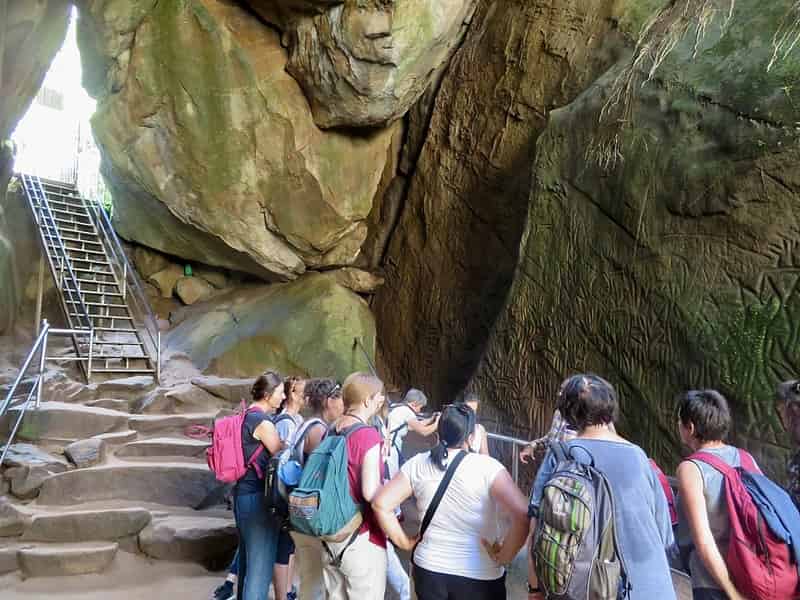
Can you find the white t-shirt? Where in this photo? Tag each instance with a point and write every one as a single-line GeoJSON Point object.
{"type": "Point", "coordinates": [398, 417]}
{"type": "Point", "coordinates": [467, 512]}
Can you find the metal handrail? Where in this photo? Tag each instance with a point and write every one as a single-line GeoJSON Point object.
{"type": "Point", "coordinates": [40, 348]}
{"type": "Point", "coordinates": [128, 274]}
{"type": "Point", "coordinates": [73, 288]}
{"type": "Point", "coordinates": [516, 443]}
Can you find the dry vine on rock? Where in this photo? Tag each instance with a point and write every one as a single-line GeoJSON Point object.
{"type": "Point", "coordinates": [658, 38]}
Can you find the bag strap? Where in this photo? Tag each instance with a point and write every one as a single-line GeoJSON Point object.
{"type": "Point", "coordinates": [747, 462]}
{"type": "Point", "coordinates": [437, 497]}
{"type": "Point", "coordinates": [303, 430]}
{"type": "Point", "coordinates": [715, 462]}
{"type": "Point", "coordinates": [560, 450]}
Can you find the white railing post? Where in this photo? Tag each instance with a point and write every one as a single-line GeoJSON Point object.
{"type": "Point", "coordinates": [42, 358]}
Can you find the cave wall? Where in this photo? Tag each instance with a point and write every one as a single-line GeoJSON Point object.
{"type": "Point", "coordinates": [475, 171]}
{"type": "Point", "coordinates": [676, 265]}
{"type": "Point", "coordinates": [31, 32]}
{"type": "Point", "coordinates": [453, 254]}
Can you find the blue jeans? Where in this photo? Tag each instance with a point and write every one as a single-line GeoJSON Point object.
{"type": "Point", "coordinates": [258, 546]}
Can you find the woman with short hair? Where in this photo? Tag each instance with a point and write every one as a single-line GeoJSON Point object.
{"type": "Point", "coordinates": [588, 403]}
{"type": "Point", "coordinates": [704, 421]}
{"type": "Point", "coordinates": [453, 558]}
{"type": "Point", "coordinates": [355, 569]}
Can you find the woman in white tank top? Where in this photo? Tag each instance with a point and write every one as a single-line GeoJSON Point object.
{"type": "Point", "coordinates": [458, 555]}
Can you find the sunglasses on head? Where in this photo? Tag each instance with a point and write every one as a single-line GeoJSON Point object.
{"type": "Point", "coordinates": [335, 389]}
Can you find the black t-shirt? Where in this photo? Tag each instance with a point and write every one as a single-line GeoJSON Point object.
{"type": "Point", "coordinates": [251, 483]}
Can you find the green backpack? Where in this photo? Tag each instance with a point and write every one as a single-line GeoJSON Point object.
{"type": "Point", "coordinates": [575, 550]}
{"type": "Point", "coordinates": [321, 505]}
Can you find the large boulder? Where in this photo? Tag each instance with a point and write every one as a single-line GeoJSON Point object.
{"type": "Point", "coordinates": [27, 467]}
{"type": "Point", "coordinates": [677, 266]}
{"type": "Point", "coordinates": [453, 254]}
{"type": "Point", "coordinates": [214, 156]}
{"type": "Point", "coordinates": [306, 327]}
{"type": "Point", "coordinates": [365, 63]}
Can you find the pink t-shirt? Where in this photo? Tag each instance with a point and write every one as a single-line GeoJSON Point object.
{"type": "Point", "coordinates": [361, 442]}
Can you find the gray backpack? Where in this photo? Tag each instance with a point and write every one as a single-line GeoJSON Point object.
{"type": "Point", "coordinates": [575, 550]}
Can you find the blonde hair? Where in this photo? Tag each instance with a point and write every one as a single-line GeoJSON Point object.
{"type": "Point", "coordinates": [358, 387]}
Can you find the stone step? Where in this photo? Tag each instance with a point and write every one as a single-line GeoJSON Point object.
{"type": "Point", "coordinates": [52, 560]}
{"type": "Point", "coordinates": [170, 484]}
{"type": "Point", "coordinates": [164, 447]}
{"type": "Point", "coordinates": [111, 403]}
{"type": "Point", "coordinates": [88, 525]}
{"type": "Point", "coordinates": [116, 438]}
{"type": "Point", "coordinates": [207, 540]}
{"type": "Point", "coordinates": [62, 421]}
{"type": "Point", "coordinates": [169, 424]}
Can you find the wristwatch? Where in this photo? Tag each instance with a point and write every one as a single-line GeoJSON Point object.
{"type": "Point", "coordinates": [533, 590]}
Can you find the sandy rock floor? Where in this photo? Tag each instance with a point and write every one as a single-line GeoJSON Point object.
{"type": "Point", "coordinates": [131, 577]}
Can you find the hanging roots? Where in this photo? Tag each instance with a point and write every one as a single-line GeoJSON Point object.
{"type": "Point", "coordinates": [659, 37]}
{"type": "Point", "coordinates": [787, 36]}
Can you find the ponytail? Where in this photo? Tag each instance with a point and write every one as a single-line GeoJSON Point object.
{"type": "Point", "coordinates": [288, 386]}
{"type": "Point", "coordinates": [456, 423]}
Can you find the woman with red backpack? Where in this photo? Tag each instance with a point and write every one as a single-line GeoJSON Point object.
{"type": "Point", "coordinates": [704, 420]}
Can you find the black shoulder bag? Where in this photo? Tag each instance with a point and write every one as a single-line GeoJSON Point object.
{"type": "Point", "coordinates": [437, 498]}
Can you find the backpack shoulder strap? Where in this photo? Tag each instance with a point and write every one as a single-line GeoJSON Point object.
{"type": "Point", "coordinates": [715, 462]}
{"type": "Point", "coordinates": [281, 418]}
{"type": "Point", "coordinates": [437, 497]}
{"type": "Point", "coordinates": [560, 450]}
{"type": "Point", "coordinates": [348, 431]}
{"type": "Point", "coordinates": [300, 435]}
{"type": "Point", "coordinates": [747, 462]}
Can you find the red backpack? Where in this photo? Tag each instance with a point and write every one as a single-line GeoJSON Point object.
{"type": "Point", "coordinates": [668, 493]}
{"type": "Point", "coordinates": [759, 563]}
{"type": "Point", "coordinates": [225, 456]}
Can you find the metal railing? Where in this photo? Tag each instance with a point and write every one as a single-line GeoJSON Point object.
{"type": "Point", "coordinates": [130, 287]}
{"type": "Point", "coordinates": [12, 399]}
{"type": "Point", "coordinates": [55, 251]}
{"type": "Point", "coordinates": [516, 445]}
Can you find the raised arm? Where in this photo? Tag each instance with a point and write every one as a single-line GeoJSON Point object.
{"type": "Point", "coordinates": [423, 428]}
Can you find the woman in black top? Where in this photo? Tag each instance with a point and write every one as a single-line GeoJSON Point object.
{"type": "Point", "coordinates": [258, 530]}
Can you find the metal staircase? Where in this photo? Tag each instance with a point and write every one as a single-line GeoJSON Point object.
{"type": "Point", "coordinates": [99, 292]}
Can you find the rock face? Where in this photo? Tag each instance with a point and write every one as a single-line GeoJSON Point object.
{"type": "Point", "coordinates": [30, 35]}
{"type": "Point", "coordinates": [215, 156]}
{"type": "Point", "coordinates": [453, 254]}
{"type": "Point", "coordinates": [676, 268]}
{"type": "Point", "coordinates": [365, 63]}
{"type": "Point", "coordinates": [305, 327]}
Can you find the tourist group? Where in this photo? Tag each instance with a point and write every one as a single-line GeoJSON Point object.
{"type": "Point", "coordinates": [319, 476]}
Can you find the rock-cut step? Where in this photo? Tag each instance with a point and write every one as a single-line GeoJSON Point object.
{"type": "Point", "coordinates": [171, 484]}
{"type": "Point", "coordinates": [84, 526]}
{"type": "Point", "coordinates": [169, 425]}
{"type": "Point", "coordinates": [210, 540]}
{"type": "Point", "coordinates": [67, 422]}
{"type": "Point", "coordinates": [164, 447]}
{"type": "Point", "coordinates": [52, 560]}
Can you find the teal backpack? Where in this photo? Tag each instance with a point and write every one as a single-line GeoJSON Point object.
{"type": "Point", "coordinates": [321, 505]}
